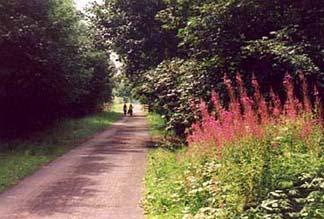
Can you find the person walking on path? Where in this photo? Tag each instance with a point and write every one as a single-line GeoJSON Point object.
{"type": "Point", "coordinates": [130, 110]}
{"type": "Point", "coordinates": [125, 109]}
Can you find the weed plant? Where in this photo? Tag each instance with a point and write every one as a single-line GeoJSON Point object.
{"type": "Point", "coordinates": [252, 159]}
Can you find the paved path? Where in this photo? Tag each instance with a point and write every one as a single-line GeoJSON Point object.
{"type": "Point", "coordinates": [101, 179]}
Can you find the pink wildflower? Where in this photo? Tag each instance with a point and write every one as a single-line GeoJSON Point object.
{"type": "Point", "coordinates": [246, 117]}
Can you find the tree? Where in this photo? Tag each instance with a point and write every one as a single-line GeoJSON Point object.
{"type": "Point", "coordinates": [130, 29]}
{"type": "Point", "coordinates": [50, 65]}
{"type": "Point", "coordinates": [178, 46]}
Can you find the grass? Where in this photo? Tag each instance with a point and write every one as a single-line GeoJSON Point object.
{"type": "Point", "coordinates": [22, 157]}
{"type": "Point", "coordinates": [157, 125]}
{"type": "Point", "coordinates": [251, 176]}
{"type": "Point", "coordinates": [163, 183]}
{"type": "Point", "coordinates": [259, 165]}
{"type": "Point", "coordinates": [163, 173]}
{"type": "Point", "coordinates": [118, 105]}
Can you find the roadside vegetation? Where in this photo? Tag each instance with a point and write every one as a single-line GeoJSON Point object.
{"type": "Point", "coordinates": [266, 162]}
{"type": "Point", "coordinates": [22, 156]}
{"type": "Point", "coordinates": [177, 52]}
{"type": "Point", "coordinates": [253, 144]}
{"type": "Point", "coordinates": [157, 125]}
{"type": "Point", "coordinates": [163, 173]}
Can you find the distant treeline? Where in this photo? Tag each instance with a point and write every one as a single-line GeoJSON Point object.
{"type": "Point", "coordinates": [50, 65]}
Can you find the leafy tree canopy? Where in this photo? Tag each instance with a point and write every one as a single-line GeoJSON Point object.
{"type": "Point", "coordinates": [179, 50]}
{"type": "Point", "coordinates": [50, 66]}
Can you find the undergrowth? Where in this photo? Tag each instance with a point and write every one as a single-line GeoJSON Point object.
{"type": "Point", "coordinates": [161, 136]}
{"type": "Point", "coordinates": [157, 125]}
{"type": "Point", "coordinates": [251, 160]}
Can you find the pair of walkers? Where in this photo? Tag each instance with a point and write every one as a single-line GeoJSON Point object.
{"type": "Point", "coordinates": [129, 111]}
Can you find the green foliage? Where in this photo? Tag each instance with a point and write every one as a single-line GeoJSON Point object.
{"type": "Point", "coordinates": [300, 198]}
{"type": "Point", "coordinates": [157, 124]}
{"type": "Point", "coordinates": [21, 157]}
{"type": "Point", "coordinates": [163, 185]}
{"type": "Point", "coordinates": [50, 66]}
{"type": "Point", "coordinates": [278, 176]}
{"type": "Point", "coordinates": [171, 90]}
{"type": "Point", "coordinates": [176, 52]}
{"type": "Point", "coordinates": [123, 89]}
{"type": "Point", "coordinates": [191, 44]}
{"type": "Point", "coordinates": [130, 29]}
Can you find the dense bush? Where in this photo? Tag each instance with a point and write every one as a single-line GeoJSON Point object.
{"type": "Point", "coordinates": [249, 160]}
{"type": "Point", "coordinates": [50, 66]}
{"type": "Point", "coordinates": [199, 41]}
